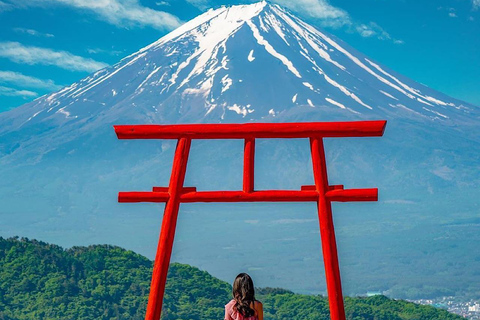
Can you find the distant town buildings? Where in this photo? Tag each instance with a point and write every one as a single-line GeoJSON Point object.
{"type": "Point", "coordinates": [470, 309]}
{"type": "Point", "coordinates": [474, 307]}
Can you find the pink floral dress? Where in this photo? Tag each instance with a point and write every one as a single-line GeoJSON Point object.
{"type": "Point", "coordinates": [232, 314]}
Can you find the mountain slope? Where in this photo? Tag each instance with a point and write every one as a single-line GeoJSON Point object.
{"type": "Point", "coordinates": [62, 166]}
{"type": "Point", "coordinates": [105, 282]}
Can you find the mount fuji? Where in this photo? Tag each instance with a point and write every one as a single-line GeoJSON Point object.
{"type": "Point", "coordinates": [62, 166]}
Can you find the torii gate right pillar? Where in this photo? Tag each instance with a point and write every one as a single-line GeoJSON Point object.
{"type": "Point", "coordinates": [327, 231]}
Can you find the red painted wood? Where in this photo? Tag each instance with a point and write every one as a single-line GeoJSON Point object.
{"type": "Point", "coordinates": [142, 196]}
{"type": "Point", "coordinates": [167, 233]}
{"type": "Point", "coordinates": [248, 165]}
{"type": "Point", "coordinates": [160, 189]}
{"type": "Point", "coordinates": [257, 196]}
{"type": "Point", "coordinates": [223, 196]}
{"type": "Point", "coordinates": [336, 187]}
{"type": "Point", "coordinates": [165, 189]}
{"type": "Point", "coordinates": [253, 130]}
{"type": "Point", "coordinates": [327, 232]}
{"type": "Point", "coordinates": [333, 187]}
{"type": "Point", "coordinates": [348, 195]}
{"type": "Point", "coordinates": [307, 194]}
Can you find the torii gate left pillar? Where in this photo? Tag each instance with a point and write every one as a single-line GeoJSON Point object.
{"type": "Point", "coordinates": [321, 192]}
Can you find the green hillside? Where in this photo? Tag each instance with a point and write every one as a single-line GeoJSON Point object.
{"type": "Point", "coordinates": [44, 281]}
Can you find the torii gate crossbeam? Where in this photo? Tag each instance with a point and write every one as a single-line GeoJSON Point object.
{"type": "Point", "coordinates": [321, 192]}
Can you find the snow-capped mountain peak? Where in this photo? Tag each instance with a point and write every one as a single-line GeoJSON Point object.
{"type": "Point", "coordinates": [244, 63]}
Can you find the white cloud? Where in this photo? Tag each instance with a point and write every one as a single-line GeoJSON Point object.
{"type": "Point", "coordinates": [5, 6]}
{"type": "Point", "coordinates": [117, 12]}
{"type": "Point", "coordinates": [293, 221]}
{"type": "Point", "coordinates": [399, 201]}
{"type": "Point", "coordinates": [162, 3]}
{"type": "Point", "coordinates": [33, 32]}
{"type": "Point", "coordinates": [320, 9]}
{"type": "Point", "coordinates": [109, 52]}
{"type": "Point", "coordinates": [373, 29]}
{"type": "Point", "coordinates": [452, 15]}
{"type": "Point", "coordinates": [476, 4]}
{"type": "Point", "coordinates": [444, 172]}
{"type": "Point", "coordinates": [365, 31]}
{"type": "Point", "coordinates": [201, 4]}
{"type": "Point", "coordinates": [10, 92]}
{"type": "Point", "coordinates": [333, 17]}
{"type": "Point", "coordinates": [19, 53]}
{"type": "Point", "coordinates": [22, 80]}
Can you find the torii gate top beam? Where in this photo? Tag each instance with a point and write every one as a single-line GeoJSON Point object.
{"type": "Point", "coordinates": [253, 130]}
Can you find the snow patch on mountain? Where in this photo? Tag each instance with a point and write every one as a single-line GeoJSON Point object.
{"type": "Point", "coordinates": [335, 103]}
{"type": "Point", "coordinates": [250, 56]}
{"type": "Point", "coordinates": [272, 50]}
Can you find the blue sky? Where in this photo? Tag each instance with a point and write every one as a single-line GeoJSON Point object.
{"type": "Point", "coordinates": [46, 44]}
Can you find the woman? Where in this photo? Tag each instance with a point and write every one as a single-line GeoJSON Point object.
{"type": "Point", "coordinates": [243, 306]}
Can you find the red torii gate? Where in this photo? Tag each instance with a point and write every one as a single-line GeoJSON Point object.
{"type": "Point", "coordinates": [321, 192]}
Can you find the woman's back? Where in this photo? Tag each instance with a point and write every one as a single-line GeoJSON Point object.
{"type": "Point", "coordinates": [232, 314]}
{"type": "Point", "coordinates": [243, 306]}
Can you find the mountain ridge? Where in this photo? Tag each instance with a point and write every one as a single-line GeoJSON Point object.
{"type": "Point", "coordinates": [40, 280]}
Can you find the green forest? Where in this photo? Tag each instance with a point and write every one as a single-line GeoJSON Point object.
{"type": "Point", "coordinates": [45, 281]}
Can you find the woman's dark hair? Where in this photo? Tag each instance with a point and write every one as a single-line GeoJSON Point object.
{"type": "Point", "coordinates": [244, 294]}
